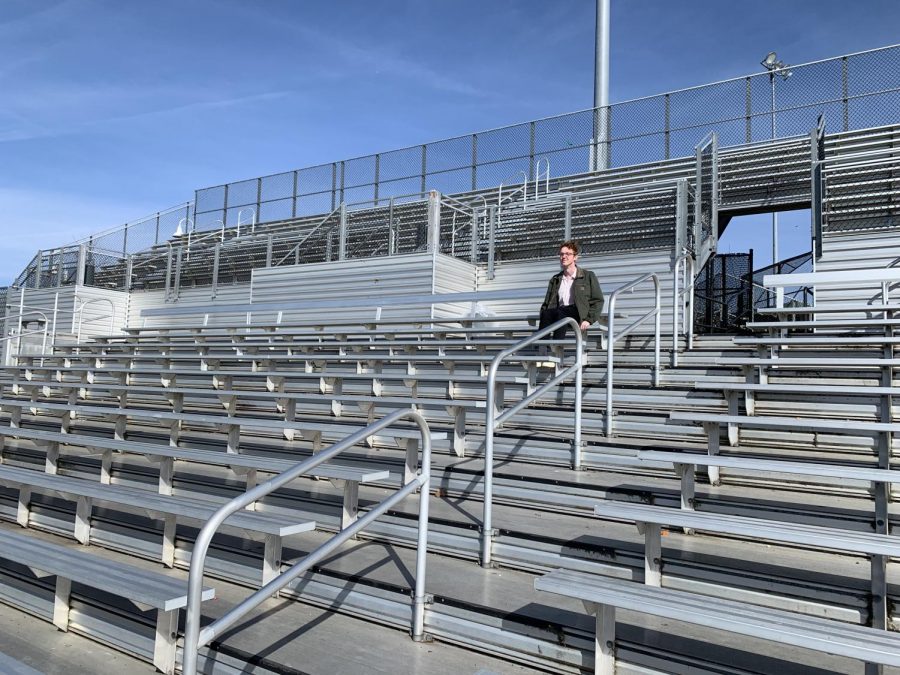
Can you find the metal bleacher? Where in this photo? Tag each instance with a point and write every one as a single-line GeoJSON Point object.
{"type": "Point", "coordinates": [309, 479]}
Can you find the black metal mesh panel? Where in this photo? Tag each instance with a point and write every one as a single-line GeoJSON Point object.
{"type": "Point", "coordinates": [799, 296]}
{"type": "Point", "coordinates": [723, 294]}
{"type": "Point", "coordinates": [104, 269]}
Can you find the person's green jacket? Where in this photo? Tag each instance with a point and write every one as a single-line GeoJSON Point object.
{"type": "Point", "coordinates": [587, 294]}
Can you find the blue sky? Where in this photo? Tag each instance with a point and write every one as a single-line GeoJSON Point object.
{"type": "Point", "coordinates": [115, 109]}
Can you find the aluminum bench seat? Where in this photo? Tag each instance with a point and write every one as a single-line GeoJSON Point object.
{"type": "Point", "coordinates": [731, 390]}
{"type": "Point", "coordinates": [166, 454]}
{"type": "Point", "coordinates": [685, 464]}
{"type": "Point", "coordinates": [230, 424]}
{"type": "Point", "coordinates": [712, 422]}
{"type": "Point", "coordinates": [820, 340]}
{"type": "Point", "coordinates": [239, 326]}
{"type": "Point", "coordinates": [270, 528]}
{"type": "Point", "coordinates": [650, 519]}
{"type": "Point", "coordinates": [831, 324]}
{"type": "Point", "coordinates": [603, 595]}
{"type": "Point", "coordinates": [839, 362]}
{"type": "Point", "coordinates": [218, 375]}
{"type": "Point", "coordinates": [828, 309]}
{"type": "Point", "coordinates": [456, 408]}
{"type": "Point", "coordinates": [149, 589]}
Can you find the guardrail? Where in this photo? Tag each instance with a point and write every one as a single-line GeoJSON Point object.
{"type": "Point", "coordinates": [493, 420]}
{"type": "Point", "coordinates": [194, 638]}
{"type": "Point", "coordinates": [612, 338]}
{"type": "Point", "coordinates": [685, 263]}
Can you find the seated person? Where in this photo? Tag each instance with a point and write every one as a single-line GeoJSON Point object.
{"type": "Point", "coordinates": [574, 292]}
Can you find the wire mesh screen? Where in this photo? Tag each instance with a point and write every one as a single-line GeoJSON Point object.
{"type": "Point", "coordinates": [794, 296]}
{"type": "Point", "coordinates": [852, 92]}
{"type": "Point", "coordinates": [723, 294]}
{"type": "Point", "coordinates": [104, 269]}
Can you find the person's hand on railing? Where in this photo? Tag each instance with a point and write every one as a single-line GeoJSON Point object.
{"type": "Point", "coordinates": [585, 325]}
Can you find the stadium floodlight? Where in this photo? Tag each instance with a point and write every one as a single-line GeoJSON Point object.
{"type": "Point", "coordinates": [775, 67]}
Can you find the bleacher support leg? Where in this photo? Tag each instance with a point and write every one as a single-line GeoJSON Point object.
{"type": "Point", "coordinates": [604, 639]}
{"type": "Point", "coordinates": [350, 508]}
{"type": "Point", "coordinates": [712, 435]}
{"type": "Point", "coordinates": [164, 644]}
{"type": "Point", "coordinates": [61, 595]}
{"type": "Point", "coordinates": [652, 552]}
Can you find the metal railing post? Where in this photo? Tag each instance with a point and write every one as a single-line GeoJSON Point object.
{"type": "Point", "coordinates": [612, 337]}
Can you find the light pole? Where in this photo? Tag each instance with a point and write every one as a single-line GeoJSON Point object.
{"type": "Point", "coordinates": [600, 151]}
{"type": "Point", "coordinates": [775, 67]}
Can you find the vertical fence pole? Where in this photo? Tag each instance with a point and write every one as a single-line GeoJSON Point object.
{"type": "Point", "coordinates": [343, 177]}
{"type": "Point", "coordinates": [474, 161]}
{"type": "Point", "coordinates": [215, 270]}
{"type": "Point", "coordinates": [531, 145]}
{"type": "Point", "coordinates": [392, 234]}
{"type": "Point", "coordinates": [258, 197]}
{"type": "Point", "coordinates": [342, 231]}
{"type": "Point", "coordinates": [81, 264]}
{"type": "Point", "coordinates": [424, 168]}
{"type": "Point", "coordinates": [748, 112]}
{"type": "Point", "coordinates": [125, 240]}
{"type": "Point", "coordinates": [377, 176]}
{"type": "Point", "coordinates": [294, 196]}
{"type": "Point", "coordinates": [492, 234]}
{"type": "Point", "coordinates": [845, 92]}
{"type": "Point", "coordinates": [567, 218]}
{"type": "Point", "coordinates": [39, 269]}
{"type": "Point", "coordinates": [667, 127]}
{"type": "Point", "coordinates": [129, 269]}
{"type": "Point", "coordinates": [333, 186]}
{"type": "Point", "coordinates": [156, 236]}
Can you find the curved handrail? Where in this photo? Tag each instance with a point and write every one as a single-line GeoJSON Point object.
{"type": "Point", "coordinates": [492, 422]}
{"type": "Point", "coordinates": [252, 220]}
{"type": "Point", "coordinates": [194, 638]}
{"type": "Point", "coordinates": [612, 337]}
{"type": "Point", "coordinates": [80, 312]}
{"type": "Point", "coordinates": [537, 177]}
{"type": "Point", "coordinates": [686, 262]}
{"type": "Point", "coordinates": [19, 334]}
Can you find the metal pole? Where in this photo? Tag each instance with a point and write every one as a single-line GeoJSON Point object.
{"type": "Point", "coordinates": [601, 85]}
{"type": "Point", "coordinates": [774, 215]}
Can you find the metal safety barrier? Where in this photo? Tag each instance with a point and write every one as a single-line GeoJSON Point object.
{"type": "Point", "coordinates": [684, 264]}
{"type": "Point", "coordinates": [194, 637]}
{"type": "Point", "coordinates": [612, 338]}
{"type": "Point", "coordinates": [494, 418]}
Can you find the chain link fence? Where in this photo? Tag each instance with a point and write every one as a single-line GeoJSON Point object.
{"type": "Point", "coordinates": [852, 92]}
{"type": "Point", "coordinates": [856, 91]}
{"type": "Point", "coordinates": [794, 296]}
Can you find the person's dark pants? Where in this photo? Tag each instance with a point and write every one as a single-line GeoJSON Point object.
{"type": "Point", "coordinates": [551, 315]}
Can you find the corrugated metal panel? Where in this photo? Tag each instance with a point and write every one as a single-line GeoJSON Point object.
{"type": "Point", "coordinates": [225, 295]}
{"type": "Point", "coordinates": [345, 280]}
{"type": "Point", "coordinates": [104, 311]}
{"type": "Point", "coordinates": [612, 271]}
{"type": "Point", "coordinates": [873, 249]}
{"type": "Point", "coordinates": [454, 276]}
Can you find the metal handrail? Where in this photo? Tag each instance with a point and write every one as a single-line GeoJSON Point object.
{"type": "Point", "coordinates": [522, 188]}
{"type": "Point", "coordinates": [80, 312]}
{"type": "Point", "coordinates": [493, 422]}
{"type": "Point", "coordinates": [537, 178]}
{"type": "Point", "coordinates": [19, 334]}
{"type": "Point", "coordinates": [252, 220]}
{"type": "Point", "coordinates": [612, 338]}
{"type": "Point", "coordinates": [686, 262]}
{"type": "Point", "coordinates": [194, 638]}
{"type": "Point", "coordinates": [308, 235]}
